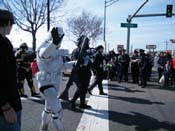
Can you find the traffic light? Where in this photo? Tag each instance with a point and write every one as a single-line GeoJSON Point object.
{"type": "Point", "coordinates": [169, 10]}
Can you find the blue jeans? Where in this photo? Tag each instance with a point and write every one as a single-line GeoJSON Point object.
{"type": "Point", "coordinates": [5, 126]}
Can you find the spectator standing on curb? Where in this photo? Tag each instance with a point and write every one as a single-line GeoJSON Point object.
{"type": "Point", "coordinates": [150, 65]}
{"type": "Point", "coordinates": [161, 63]}
{"type": "Point", "coordinates": [166, 72]}
{"type": "Point", "coordinates": [135, 67]}
{"type": "Point", "coordinates": [173, 70]}
{"type": "Point", "coordinates": [124, 60]}
{"type": "Point", "coordinates": [10, 103]}
{"type": "Point", "coordinates": [143, 71]}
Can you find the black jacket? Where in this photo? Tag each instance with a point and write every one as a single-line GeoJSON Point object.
{"type": "Point", "coordinates": [8, 81]}
{"type": "Point", "coordinates": [143, 62]}
{"type": "Point", "coordinates": [98, 63]}
{"type": "Point", "coordinates": [124, 60]}
{"type": "Point", "coordinates": [84, 65]}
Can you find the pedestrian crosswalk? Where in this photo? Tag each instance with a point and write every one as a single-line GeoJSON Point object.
{"type": "Point", "coordinates": [127, 107]}
{"type": "Point", "coordinates": [96, 119]}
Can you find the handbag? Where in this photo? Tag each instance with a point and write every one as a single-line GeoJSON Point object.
{"type": "Point", "coordinates": [162, 79]}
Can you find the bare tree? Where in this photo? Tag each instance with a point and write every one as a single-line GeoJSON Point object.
{"type": "Point", "coordinates": [86, 24]}
{"type": "Point", "coordinates": [30, 15]}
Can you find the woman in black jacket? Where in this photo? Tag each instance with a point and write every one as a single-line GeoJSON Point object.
{"type": "Point", "coordinates": [161, 63]}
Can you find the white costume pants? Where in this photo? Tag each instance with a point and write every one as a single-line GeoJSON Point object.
{"type": "Point", "coordinates": [53, 111]}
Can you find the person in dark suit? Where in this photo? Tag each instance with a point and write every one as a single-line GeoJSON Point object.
{"type": "Point", "coordinates": [123, 60]}
{"type": "Point", "coordinates": [83, 69]}
{"type": "Point", "coordinates": [135, 67]}
{"type": "Point", "coordinates": [99, 63]}
{"type": "Point", "coordinates": [143, 64]}
{"type": "Point", "coordinates": [73, 76]}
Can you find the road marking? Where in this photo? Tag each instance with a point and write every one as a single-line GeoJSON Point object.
{"type": "Point", "coordinates": [41, 99]}
{"type": "Point", "coordinates": [31, 98]}
{"type": "Point", "coordinates": [96, 119]}
{"type": "Point", "coordinates": [71, 99]}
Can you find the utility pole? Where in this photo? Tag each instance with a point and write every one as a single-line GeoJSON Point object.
{"type": "Point", "coordinates": [128, 35]}
{"type": "Point", "coordinates": [104, 32]}
{"type": "Point", "coordinates": [166, 43]}
{"type": "Point", "coordinates": [48, 15]}
{"type": "Point", "coordinates": [106, 4]}
{"type": "Point", "coordinates": [131, 49]}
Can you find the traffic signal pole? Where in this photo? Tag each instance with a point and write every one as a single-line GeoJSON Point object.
{"type": "Point", "coordinates": [151, 15]}
{"type": "Point", "coordinates": [128, 36]}
{"type": "Point", "coordinates": [147, 15]}
{"type": "Point", "coordinates": [129, 19]}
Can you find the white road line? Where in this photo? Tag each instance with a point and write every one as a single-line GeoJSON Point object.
{"type": "Point", "coordinates": [35, 98]}
{"type": "Point", "coordinates": [96, 119]}
{"type": "Point", "coordinates": [31, 98]}
{"type": "Point", "coordinates": [71, 98]}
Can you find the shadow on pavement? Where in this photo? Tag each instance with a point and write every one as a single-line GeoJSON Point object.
{"type": "Point", "coordinates": [117, 87]}
{"type": "Point", "coordinates": [65, 104]}
{"type": "Point", "coordinates": [135, 100]}
{"type": "Point", "coordinates": [161, 87]}
{"type": "Point", "coordinates": [122, 88]}
{"type": "Point", "coordinates": [140, 121]}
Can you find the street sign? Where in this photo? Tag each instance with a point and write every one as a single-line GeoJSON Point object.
{"type": "Point", "coordinates": [151, 46]}
{"type": "Point", "coordinates": [131, 25]}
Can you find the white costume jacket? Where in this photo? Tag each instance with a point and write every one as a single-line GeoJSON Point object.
{"type": "Point", "coordinates": [51, 65]}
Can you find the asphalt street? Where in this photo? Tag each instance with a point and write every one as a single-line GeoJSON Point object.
{"type": "Point", "coordinates": [126, 108]}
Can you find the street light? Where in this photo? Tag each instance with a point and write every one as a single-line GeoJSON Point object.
{"type": "Point", "coordinates": [107, 4]}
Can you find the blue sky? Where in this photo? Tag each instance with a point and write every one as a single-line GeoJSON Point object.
{"type": "Point", "coordinates": [153, 30]}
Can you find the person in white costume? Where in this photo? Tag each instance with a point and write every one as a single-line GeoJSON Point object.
{"type": "Point", "coordinates": [50, 63]}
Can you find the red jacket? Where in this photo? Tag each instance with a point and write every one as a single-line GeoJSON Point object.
{"type": "Point", "coordinates": [34, 67]}
{"type": "Point", "coordinates": [173, 63]}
